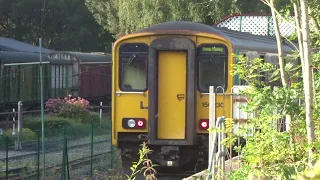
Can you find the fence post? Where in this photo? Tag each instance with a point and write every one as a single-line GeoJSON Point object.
{"type": "Point", "coordinates": [91, 150]}
{"type": "Point", "coordinates": [38, 168]}
{"type": "Point", "coordinates": [20, 105]}
{"type": "Point", "coordinates": [65, 160]}
{"type": "Point", "coordinates": [67, 156]}
{"type": "Point", "coordinates": [7, 156]}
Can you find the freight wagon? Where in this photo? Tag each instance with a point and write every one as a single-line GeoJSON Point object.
{"type": "Point", "coordinates": [81, 74]}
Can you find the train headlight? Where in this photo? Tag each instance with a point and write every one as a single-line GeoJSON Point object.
{"type": "Point", "coordinates": [131, 123]}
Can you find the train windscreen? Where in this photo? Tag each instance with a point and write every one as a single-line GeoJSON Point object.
{"type": "Point", "coordinates": [212, 66]}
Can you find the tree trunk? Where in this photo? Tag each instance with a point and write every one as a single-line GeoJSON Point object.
{"type": "Point", "coordinates": [298, 26]}
{"type": "Point", "coordinates": [279, 44]}
{"type": "Point", "coordinates": [307, 76]}
{"type": "Point", "coordinates": [283, 75]}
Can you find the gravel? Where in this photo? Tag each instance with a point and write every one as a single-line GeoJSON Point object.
{"type": "Point", "coordinates": [52, 158]}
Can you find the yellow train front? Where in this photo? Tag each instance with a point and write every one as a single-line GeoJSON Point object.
{"type": "Point", "coordinates": [161, 79]}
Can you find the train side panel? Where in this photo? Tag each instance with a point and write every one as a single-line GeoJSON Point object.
{"type": "Point", "coordinates": [95, 81]}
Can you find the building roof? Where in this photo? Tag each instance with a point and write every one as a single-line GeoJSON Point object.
{"type": "Point", "coordinates": [9, 44]}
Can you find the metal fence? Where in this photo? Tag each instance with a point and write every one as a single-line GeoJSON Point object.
{"type": "Point", "coordinates": [73, 152]}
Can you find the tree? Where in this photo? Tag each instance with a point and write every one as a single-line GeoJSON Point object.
{"type": "Point", "coordinates": [303, 33]}
{"type": "Point", "coordinates": [307, 76]}
{"type": "Point", "coordinates": [122, 17]}
{"type": "Point", "coordinates": [63, 29]}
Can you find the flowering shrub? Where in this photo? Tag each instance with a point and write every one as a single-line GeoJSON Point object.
{"type": "Point", "coordinates": [68, 107]}
{"type": "Point", "coordinates": [79, 102]}
{"type": "Point", "coordinates": [53, 105]}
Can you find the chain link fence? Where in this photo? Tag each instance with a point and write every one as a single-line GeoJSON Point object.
{"type": "Point", "coordinates": [73, 152]}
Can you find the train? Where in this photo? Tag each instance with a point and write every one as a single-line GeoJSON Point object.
{"type": "Point", "coordinates": [87, 75]}
{"type": "Point", "coordinates": [160, 89]}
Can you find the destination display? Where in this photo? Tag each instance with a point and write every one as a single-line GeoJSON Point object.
{"type": "Point", "coordinates": [216, 49]}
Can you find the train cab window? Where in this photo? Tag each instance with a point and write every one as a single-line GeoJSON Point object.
{"type": "Point", "coordinates": [133, 67]}
{"type": "Point", "coordinates": [212, 67]}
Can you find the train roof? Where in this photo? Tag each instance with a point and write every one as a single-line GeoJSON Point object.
{"type": "Point", "coordinates": [54, 57]}
{"type": "Point", "coordinates": [239, 40]}
{"type": "Point", "coordinates": [9, 44]}
{"type": "Point", "coordinates": [14, 51]}
{"type": "Point", "coordinates": [82, 57]}
{"type": "Point", "coordinates": [93, 57]}
{"type": "Point", "coordinates": [27, 57]}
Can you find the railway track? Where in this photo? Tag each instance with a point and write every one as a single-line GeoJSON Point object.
{"type": "Point", "coordinates": [31, 145]}
{"type": "Point", "coordinates": [51, 151]}
{"type": "Point", "coordinates": [74, 164]}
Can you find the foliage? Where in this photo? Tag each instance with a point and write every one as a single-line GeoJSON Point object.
{"type": "Point", "coordinates": [269, 152]}
{"type": "Point", "coordinates": [64, 112]}
{"type": "Point", "coordinates": [72, 108]}
{"type": "Point", "coordinates": [56, 105]}
{"type": "Point", "coordinates": [91, 117]}
{"type": "Point", "coordinates": [311, 174]}
{"type": "Point", "coordinates": [67, 25]}
{"type": "Point", "coordinates": [121, 17]}
{"type": "Point", "coordinates": [51, 122]}
{"type": "Point", "coordinates": [145, 164]}
{"type": "Point", "coordinates": [26, 134]}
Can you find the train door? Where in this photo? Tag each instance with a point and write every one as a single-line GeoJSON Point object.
{"type": "Point", "coordinates": [171, 94]}
{"type": "Point", "coordinates": [171, 91]}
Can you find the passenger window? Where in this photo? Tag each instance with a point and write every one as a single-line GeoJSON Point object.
{"type": "Point", "coordinates": [212, 67]}
{"type": "Point", "coordinates": [133, 67]}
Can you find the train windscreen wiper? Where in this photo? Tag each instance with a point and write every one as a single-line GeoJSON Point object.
{"type": "Point", "coordinates": [214, 60]}
{"type": "Point", "coordinates": [133, 57]}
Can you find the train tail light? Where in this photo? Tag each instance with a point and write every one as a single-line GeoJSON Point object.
{"type": "Point", "coordinates": [140, 123]}
{"type": "Point", "coordinates": [204, 124]}
{"type": "Point", "coordinates": [133, 123]}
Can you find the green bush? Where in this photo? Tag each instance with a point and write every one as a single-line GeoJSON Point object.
{"type": "Point", "coordinates": [76, 112]}
{"type": "Point", "coordinates": [90, 117]}
{"type": "Point", "coordinates": [72, 111]}
{"type": "Point", "coordinates": [26, 134]}
{"type": "Point", "coordinates": [51, 122]}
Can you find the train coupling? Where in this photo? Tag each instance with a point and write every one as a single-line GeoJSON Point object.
{"type": "Point", "coordinates": [169, 156]}
{"type": "Point", "coordinates": [143, 137]}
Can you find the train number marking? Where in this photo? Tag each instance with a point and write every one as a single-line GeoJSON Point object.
{"type": "Point", "coordinates": [218, 105]}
